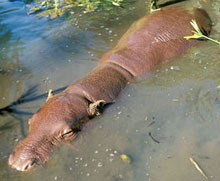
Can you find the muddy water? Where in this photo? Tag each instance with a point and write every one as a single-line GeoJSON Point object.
{"type": "Point", "coordinates": [178, 103]}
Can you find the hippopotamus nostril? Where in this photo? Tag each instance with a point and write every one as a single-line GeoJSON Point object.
{"type": "Point", "coordinates": [24, 166]}
{"type": "Point", "coordinates": [27, 166]}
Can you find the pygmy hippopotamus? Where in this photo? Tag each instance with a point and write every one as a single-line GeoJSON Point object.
{"type": "Point", "coordinates": [153, 39]}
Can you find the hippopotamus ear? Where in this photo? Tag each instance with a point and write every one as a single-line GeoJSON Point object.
{"type": "Point", "coordinates": [50, 94]}
{"type": "Point", "coordinates": [96, 108]}
{"type": "Point", "coordinates": [203, 20]}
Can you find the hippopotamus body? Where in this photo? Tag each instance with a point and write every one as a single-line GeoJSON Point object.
{"type": "Point", "coordinates": [154, 39]}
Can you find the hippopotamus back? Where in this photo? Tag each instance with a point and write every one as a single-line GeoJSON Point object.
{"type": "Point", "coordinates": [156, 38]}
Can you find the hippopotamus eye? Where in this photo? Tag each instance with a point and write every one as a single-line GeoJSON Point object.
{"type": "Point", "coordinates": [67, 134]}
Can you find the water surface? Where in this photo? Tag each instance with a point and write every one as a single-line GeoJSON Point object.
{"type": "Point", "coordinates": [178, 103]}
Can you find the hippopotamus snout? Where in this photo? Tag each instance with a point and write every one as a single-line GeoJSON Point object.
{"type": "Point", "coordinates": [36, 150]}
{"type": "Point", "coordinates": [21, 163]}
{"type": "Point", "coordinates": [29, 153]}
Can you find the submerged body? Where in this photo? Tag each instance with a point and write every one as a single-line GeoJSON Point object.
{"type": "Point", "coordinates": [152, 40]}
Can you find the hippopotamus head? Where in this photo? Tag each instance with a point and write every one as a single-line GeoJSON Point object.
{"type": "Point", "coordinates": [64, 115]}
{"type": "Point", "coordinates": [57, 121]}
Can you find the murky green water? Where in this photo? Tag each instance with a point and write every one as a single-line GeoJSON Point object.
{"type": "Point", "coordinates": [181, 99]}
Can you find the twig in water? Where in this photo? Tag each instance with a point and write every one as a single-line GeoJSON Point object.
{"type": "Point", "coordinates": [151, 123]}
{"type": "Point", "coordinates": [153, 138]}
{"type": "Point", "coordinates": [197, 167]}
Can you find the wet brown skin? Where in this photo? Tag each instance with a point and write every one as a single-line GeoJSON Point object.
{"type": "Point", "coordinates": [154, 39]}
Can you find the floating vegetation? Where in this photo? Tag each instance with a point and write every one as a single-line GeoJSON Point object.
{"type": "Point", "coordinates": [125, 158]}
{"type": "Point", "coordinates": [198, 33]}
{"type": "Point", "coordinates": [55, 8]}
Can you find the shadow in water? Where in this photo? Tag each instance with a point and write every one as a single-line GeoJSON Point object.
{"type": "Point", "coordinates": [168, 3]}
{"type": "Point", "coordinates": [29, 96]}
{"type": "Point", "coordinates": [157, 6]}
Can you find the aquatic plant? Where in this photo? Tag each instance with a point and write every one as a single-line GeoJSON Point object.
{"type": "Point", "coordinates": [198, 34]}
{"type": "Point", "coordinates": [56, 8]}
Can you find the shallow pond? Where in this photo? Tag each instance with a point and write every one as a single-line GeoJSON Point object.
{"type": "Point", "coordinates": [178, 103]}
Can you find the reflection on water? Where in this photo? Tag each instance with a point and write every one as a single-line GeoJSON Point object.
{"type": "Point", "coordinates": [178, 103]}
